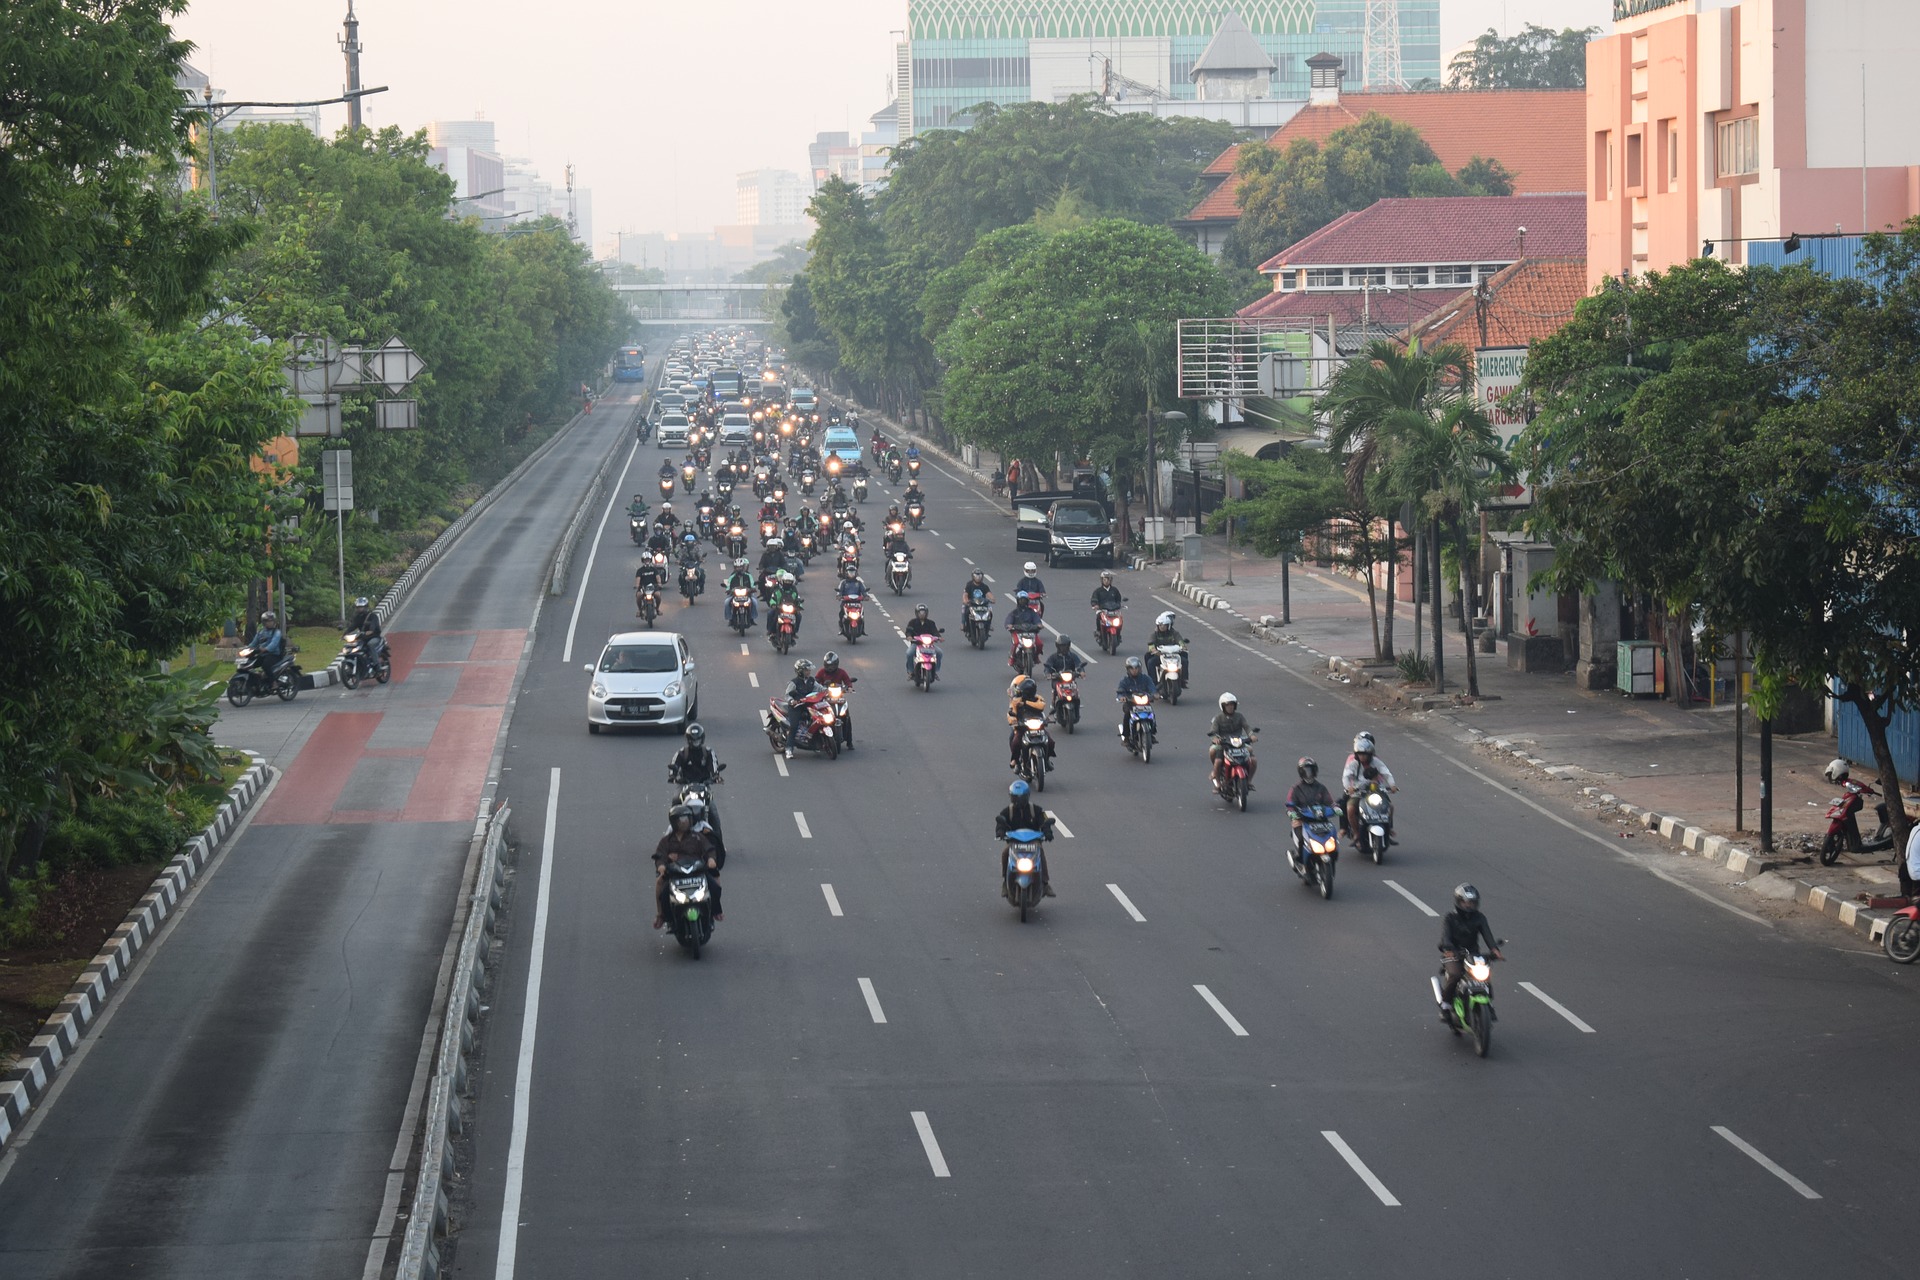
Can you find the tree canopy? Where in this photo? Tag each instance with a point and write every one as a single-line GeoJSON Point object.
{"type": "Point", "coordinates": [1536, 58]}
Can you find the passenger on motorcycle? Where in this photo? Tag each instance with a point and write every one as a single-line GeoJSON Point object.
{"type": "Point", "coordinates": [1135, 681]}
{"type": "Point", "coordinates": [1164, 632]}
{"type": "Point", "coordinates": [1362, 767]}
{"type": "Point", "coordinates": [680, 841]}
{"type": "Point", "coordinates": [1229, 723]}
{"type": "Point", "coordinates": [922, 625]}
{"type": "Point", "coordinates": [696, 762]}
{"type": "Point", "coordinates": [1021, 814]}
{"type": "Point", "coordinates": [1026, 703]}
{"type": "Point", "coordinates": [1460, 932]}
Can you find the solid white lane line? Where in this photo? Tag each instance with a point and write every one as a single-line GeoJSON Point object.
{"type": "Point", "coordinates": [753, 678]}
{"type": "Point", "coordinates": [1127, 903]}
{"type": "Point", "coordinates": [932, 1145]}
{"type": "Point", "coordinates": [566, 654]}
{"type": "Point", "coordinates": [1233, 1023]}
{"type": "Point", "coordinates": [1395, 886]}
{"type": "Point", "coordinates": [800, 820]}
{"type": "Point", "coordinates": [1061, 827]}
{"type": "Point", "coordinates": [1556, 1006]}
{"type": "Point", "coordinates": [1359, 1166]}
{"type": "Point", "coordinates": [529, 1027]}
{"type": "Point", "coordinates": [780, 763]}
{"type": "Point", "coordinates": [833, 900]}
{"type": "Point", "coordinates": [873, 1001]}
{"type": "Point", "coordinates": [1765, 1163]}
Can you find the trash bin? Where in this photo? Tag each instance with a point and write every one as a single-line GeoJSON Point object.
{"type": "Point", "coordinates": [1640, 668]}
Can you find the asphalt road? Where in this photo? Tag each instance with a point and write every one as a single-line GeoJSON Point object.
{"type": "Point", "coordinates": [1186, 1063]}
{"type": "Point", "coordinates": [238, 1111]}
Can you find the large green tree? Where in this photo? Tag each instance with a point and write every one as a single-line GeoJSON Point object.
{"type": "Point", "coordinates": [1286, 194]}
{"type": "Point", "coordinates": [1536, 58]}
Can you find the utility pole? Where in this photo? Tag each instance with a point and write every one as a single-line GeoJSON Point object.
{"type": "Point", "coordinates": [573, 225]}
{"type": "Point", "coordinates": [350, 46]}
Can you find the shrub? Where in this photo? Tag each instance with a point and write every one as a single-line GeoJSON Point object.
{"type": "Point", "coordinates": [1415, 668]}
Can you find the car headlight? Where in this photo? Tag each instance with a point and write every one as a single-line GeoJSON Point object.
{"type": "Point", "coordinates": [1106, 542]}
{"type": "Point", "coordinates": [671, 691]}
{"type": "Point", "coordinates": [599, 690]}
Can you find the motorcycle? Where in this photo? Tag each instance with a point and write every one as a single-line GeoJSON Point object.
{"type": "Point", "coordinates": [1026, 651]}
{"type": "Point", "coordinates": [979, 623]}
{"type": "Point", "coordinates": [1024, 882]}
{"type": "Point", "coordinates": [637, 529]}
{"type": "Point", "coordinates": [1313, 850]}
{"type": "Point", "coordinates": [690, 903]}
{"type": "Point", "coordinates": [740, 609]}
{"type": "Point", "coordinates": [646, 603]}
{"type": "Point", "coordinates": [1843, 824]}
{"type": "Point", "coordinates": [762, 482]}
{"type": "Point", "coordinates": [926, 657]}
{"type": "Point", "coordinates": [853, 623]}
{"type": "Point", "coordinates": [915, 514]}
{"type": "Point", "coordinates": [1902, 938]}
{"type": "Point", "coordinates": [1107, 625]}
{"type": "Point", "coordinates": [1066, 700]}
{"type": "Point", "coordinates": [703, 520]}
{"type": "Point", "coordinates": [362, 656]}
{"type": "Point", "coordinates": [807, 545]}
{"type": "Point", "coordinates": [893, 472]}
{"type": "Point", "coordinates": [860, 489]}
{"type": "Point", "coordinates": [1376, 821]}
{"type": "Point", "coordinates": [818, 734]}
{"type": "Point", "coordinates": [1170, 671]}
{"type": "Point", "coordinates": [1472, 1007]}
{"type": "Point", "coordinates": [1140, 730]}
{"type": "Point", "coordinates": [786, 627]}
{"type": "Point", "coordinates": [769, 530]}
{"type": "Point", "coordinates": [691, 584]}
{"type": "Point", "coordinates": [687, 473]}
{"type": "Point", "coordinates": [253, 677]}
{"type": "Point", "coordinates": [1236, 770]}
{"type": "Point", "coordinates": [1037, 601]}
{"type": "Point", "coordinates": [736, 540]}
{"type": "Point", "coordinates": [666, 488]}
{"type": "Point", "coordinates": [723, 485]}
{"type": "Point", "coordinates": [1036, 755]}
{"type": "Point", "coordinates": [899, 573]}
{"type": "Point", "coordinates": [842, 723]}
{"type": "Point", "coordinates": [913, 466]}
{"type": "Point", "coordinates": [807, 481]}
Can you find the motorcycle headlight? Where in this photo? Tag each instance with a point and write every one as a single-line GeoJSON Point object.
{"type": "Point", "coordinates": [1375, 799]}
{"type": "Point", "coordinates": [1141, 699]}
{"type": "Point", "coordinates": [599, 690]}
{"type": "Point", "coordinates": [671, 691]}
{"type": "Point", "coordinates": [1035, 726]}
{"type": "Point", "coordinates": [1479, 970]}
{"type": "Point", "coordinates": [826, 717]}
{"type": "Point", "coordinates": [1023, 864]}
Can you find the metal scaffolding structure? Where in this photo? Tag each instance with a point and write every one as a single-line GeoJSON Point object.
{"type": "Point", "coordinates": [1382, 51]}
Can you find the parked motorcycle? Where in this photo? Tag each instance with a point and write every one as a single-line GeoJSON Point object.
{"type": "Point", "coordinates": [926, 656]}
{"type": "Point", "coordinates": [1236, 769]}
{"type": "Point", "coordinates": [362, 656]}
{"type": "Point", "coordinates": [1024, 881]}
{"type": "Point", "coordinates": [817, 734]}
{"type": "Point", "coordinates": [1066, 700]}
{"type": "Point", "coordinates": [256, 675]}
{"type": "Point", "coordinates": [1140, 727]}
{"type": "Point", "coordinates": [1376, 822]}
{"type": "Point", "coordinates": [1107, 626]}
{"type": "Point", "coordinates": [1315, 848]}
{"type": "Point", "coordinates": [1902, 938]}
{"type": "Point", "coordinates": [1472, 1007]}
{"type": "Point", "coordinates": [690, 903]}
{"type": "Point", "coordinates": [1843, 823]}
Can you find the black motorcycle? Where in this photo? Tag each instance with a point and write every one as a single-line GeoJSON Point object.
{"type": "Point", "coordinates": [362, 655]}
{"type": "Point", "coordinates": [257, 675]}
{"type": "Point", "coordinates": [690, 903]}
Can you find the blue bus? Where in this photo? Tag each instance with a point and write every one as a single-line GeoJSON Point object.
{"type": "Point", "coordinates": [630, 365]}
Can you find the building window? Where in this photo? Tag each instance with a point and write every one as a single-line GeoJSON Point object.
{"type": "Point", "coordinates": [1488, 270]}
{"type": "Point", "coordinates": [1603, 165]}
{"type": "Point", "coordinates": [1326, 277]}
{"type": "Point", "coordinates": [1409, 277]}
{"type": "Point", "coordinates": [1366, 277]}
{"type": "Point", "coordinates": [1453, 275]}
{"type": "Point", "coordinates": [1737, 147]}
{"type": "Point", "coordinates": [1289, 280]}
{"type": "Point", "coordinates": [1636, 169]}
{"type": "Point", "coordinates": [1667, 162]}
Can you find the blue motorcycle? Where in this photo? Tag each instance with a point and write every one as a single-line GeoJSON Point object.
{"type": "Point", "coordinates": [1025, 881]}
{"type": "Point", "coordinates": [1140, 728]}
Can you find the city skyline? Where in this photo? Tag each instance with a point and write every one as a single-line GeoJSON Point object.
{"type": "Point", "coordinates": [674, 64]}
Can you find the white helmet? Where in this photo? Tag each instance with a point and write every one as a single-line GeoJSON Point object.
{"type": "Point", "coordinates": [1164, 620]}
{"type": "Point", "coordinates": [1029, 568]}
{"type": "Point", "coordinates": [1363, 741]}
{"type": "Point", "coordinates": [1225, 698]}
{"type": "Point", "coordinates": [1837, 770]}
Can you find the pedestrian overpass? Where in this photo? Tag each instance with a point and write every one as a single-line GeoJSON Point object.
{"type": "Point", "coordinates": [678, 305]}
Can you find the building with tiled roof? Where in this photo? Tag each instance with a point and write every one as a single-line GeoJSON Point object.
{"type": "Point", "coordinates": [1517, 307]}
{"type": "Point", "coordinates": [1537, 134]}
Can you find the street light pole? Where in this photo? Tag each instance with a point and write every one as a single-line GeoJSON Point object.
{"type": "Point", "coordinates": [350, 46]}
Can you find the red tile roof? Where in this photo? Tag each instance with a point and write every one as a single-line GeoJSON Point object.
{"type": "Point", "coordinates": [1392, 309]}
{"type": "Point", "coordinates": [1222, 163]}
{"type": "Point", "coordinates": [1444, 229]}
{"type": "Point", "coordinates": [1536, 133]}
{"type": "Point", "coordinates": [1526, 302]}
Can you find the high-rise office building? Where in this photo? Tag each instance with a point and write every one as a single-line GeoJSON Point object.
{"type": "Point", "coordinates": [771, 197]}
{"type": "Point", "coordinates": [959, 53]}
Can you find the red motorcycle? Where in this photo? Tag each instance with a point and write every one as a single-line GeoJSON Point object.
{"type": "Point", "coordinates": [1108, 626]}
{"type": "Point", "coordinates": [1066, 700]}
{"type": "Point", "coordinates": [786, 626]}
{"type": "Point", "coordinates": [1037, 601]}
{"type": "Point", "coordinates": [1843, 820]}
{"type": "Point", "coordinates": [1026, 651]}
{"type": "Point", "coordinates": [1902, 938]}
{"type": "Point", "coordinates": [817, 733]}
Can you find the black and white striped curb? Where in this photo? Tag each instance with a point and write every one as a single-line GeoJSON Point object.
{"type": "Point", "coordinates": [1198, 594]}
{"type": "Point", "coordinates": [1693, 841]}
{"type": "Point", "coordinates": [27, 1080]}
{"type": "Point", "coordinates": [451, 1087]}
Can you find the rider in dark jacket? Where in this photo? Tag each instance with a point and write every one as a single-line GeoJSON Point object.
{"type": "Point", "coordinates": [1460, 933]}
{"type": "Point", "coordinates": [1021, 814]}
{"type": "Point", "coordinates": [682, 840]}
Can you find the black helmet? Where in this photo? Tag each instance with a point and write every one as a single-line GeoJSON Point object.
{"type": "Point", "coordinates": [678, 812]}
{"type": "Point", "coordinates": [830, 659]}
{"type": "Point", "coordinates": [1133, 664]}
{"type": "Point", "coordinates": [695, 734]}
{"type": "Point", "coordinates": [1466, 898]}
{"type": "Point", "coordinates": [1028, 688]}
{"type": "Point", "coordinates": [1309, 768]}
{"type": "Point", "coordinates": [359, 602]}
{"type": "Point", "coordinates": [1064, 644]}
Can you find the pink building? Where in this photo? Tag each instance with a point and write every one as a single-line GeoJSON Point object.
{"type": "Point", "coordinates": [1736, 120]}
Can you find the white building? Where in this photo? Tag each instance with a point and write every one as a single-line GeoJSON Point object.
{"type": "Point", "coordinates": [771, 197]}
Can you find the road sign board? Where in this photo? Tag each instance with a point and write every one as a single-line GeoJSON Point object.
{"type": "Point", "coordinates": [321, 417]}
{"type": "Point", "coordinates": [336, 479]}
{"type": "Point", "coordinates": [393, 366]}
{"type": "Point", "coordinates": [396, 415]}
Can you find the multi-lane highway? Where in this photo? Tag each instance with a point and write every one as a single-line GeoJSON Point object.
{"type": "Point", "coordinates": [1186, 1064]}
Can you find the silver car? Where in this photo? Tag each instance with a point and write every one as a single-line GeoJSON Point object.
{"type": "Point", "coordinates": [643, 678]}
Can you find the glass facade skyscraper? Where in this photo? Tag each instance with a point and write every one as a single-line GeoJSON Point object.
{"type": "Point", "coordinates": [964, 52]}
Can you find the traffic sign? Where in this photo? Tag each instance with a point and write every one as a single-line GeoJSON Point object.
{"type": "Point", "coordinates": [393, 366]}
{"type": "Point", "coordinates": [336, 480]}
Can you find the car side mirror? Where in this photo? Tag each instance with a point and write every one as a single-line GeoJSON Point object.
{"type": "Point", "coordinates": [589, 666]}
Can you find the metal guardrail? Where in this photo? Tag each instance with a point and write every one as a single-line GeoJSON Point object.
{"type": "Point", "coordinates": [450, 1085]}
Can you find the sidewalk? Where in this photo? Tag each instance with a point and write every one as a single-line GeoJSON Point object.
{"type": "Point", "coordinates": [1668, 769]}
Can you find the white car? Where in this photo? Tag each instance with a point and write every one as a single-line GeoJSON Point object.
{"type": "Point", "coordinates": [643, 678]}
{"type": "Point", "coordinates": [736, 428]}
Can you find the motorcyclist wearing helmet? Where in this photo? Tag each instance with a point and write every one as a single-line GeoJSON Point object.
{"type": "Point", "coordinates": [1030, 580]}
{"type": "Point", "coordinates": [691, 558]}
{"type": "Point", "coordinates": [921, 624]}
{"type": "Point", "coordinates": [667, 520]}
{"type": "Point", "coordinates": [773, 557]}
{"type": "Point", "coordinates": [647, 574]}
{"type": "Point", "coordinates": [1021, 814]}
{"type": "Point", "coordinates": [270, 639]}
{"type": "Point", "coordinates": [1461, 930]}
{"type": "Point", "coordinates": [1363, 767]}
{"type": "Point", "coordinates": [1228, 723]}
{"type": "Point", "coordinates": [913, 495]}
{"type": "Point", "coordinates": [696, 762]}
{"type": "Point", "coordinates": [784, 592]}
{"type": "Point", "coordinates": [1063, 658]}
{"type": "Point", "coordinates": [976, 590]}
{"type": "Point", "coordinates": [1306, 793]}
{"type": "Point", "coordinates": [681, 840]}
{"type": "Point", "coordinates": [742, 576]}
{"type": "Point", "coordinates": [637, 509]}
{"type": "Point", "coordinates": [1106, 596]}
{"type": "Point", "coordinates": [851, 587]}
{"type": "Point", "coordinates": [1165, 633]}
{"type": "Point", "coordinates": [801, 686]}
{"type": "Point", "coordinates": [1135, 681]}
{"type": "Point", "coordinates": [668, 471]}
{"type": "Point", "coordinates": [366, 620]}
{"type": "Point", "coordinates": [1026, 703]}
{"type": "Point", "coordinates": [831, 672]}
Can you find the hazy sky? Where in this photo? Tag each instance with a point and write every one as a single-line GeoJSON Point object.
{"type": "Point", "coordinates": [658, 105]}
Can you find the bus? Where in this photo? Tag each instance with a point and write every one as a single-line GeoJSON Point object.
{"type": "Point", "coordinates": [630, 365]}
{"type": "Point", "coordinates": [727, 382]}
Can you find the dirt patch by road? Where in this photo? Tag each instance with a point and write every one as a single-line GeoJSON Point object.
{"type": "Point", "coordinates": [70, 925]}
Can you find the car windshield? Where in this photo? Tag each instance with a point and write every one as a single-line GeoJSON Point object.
{"type": "Point", "coordinates": [639, 659]}
{"type": "Point", "coordinates": [1083, 517]}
